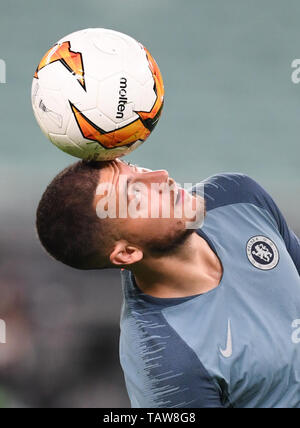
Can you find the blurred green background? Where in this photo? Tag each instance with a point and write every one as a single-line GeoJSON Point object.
{"type": "Point", "coordinates": [230, 105]}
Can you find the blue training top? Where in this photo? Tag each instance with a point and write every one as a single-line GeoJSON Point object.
{"type": "Point", "coordinates": [237, 345]}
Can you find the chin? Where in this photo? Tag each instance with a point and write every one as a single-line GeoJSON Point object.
{"type": "Point", "coordinates": [169, 244]}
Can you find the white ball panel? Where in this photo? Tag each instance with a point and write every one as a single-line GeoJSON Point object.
{"type": "Point", "coordinates": [75, 93]}
{"type": "Point", "coordinates": [67, 145]}
{"type": "Point", "coordinates": [52, 110]}
{"type": "Point", "coordinates": [147, 97]}
{"type": "Point", "coordinates": [118, 96]}
{"type": "Point", "coordinates": [43, 128]}
{"type": "Point", "coordinates": [98, 63]}
{"type": "Point", "coordinates": [137, 65]}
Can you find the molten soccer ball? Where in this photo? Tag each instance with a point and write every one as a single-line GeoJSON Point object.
{"type": "Point", "coordinates": [97, 94]}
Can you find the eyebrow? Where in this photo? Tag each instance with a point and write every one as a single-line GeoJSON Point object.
{"type": "Point", "coordinates": [135, 165]}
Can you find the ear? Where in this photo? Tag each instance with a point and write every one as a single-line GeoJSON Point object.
{"type": "Point", "coordinates": [125, 254]}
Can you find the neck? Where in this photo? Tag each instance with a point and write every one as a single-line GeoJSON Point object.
{"type": "Point", "coordinates": [195, 269]}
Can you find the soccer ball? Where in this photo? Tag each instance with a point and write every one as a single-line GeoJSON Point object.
{"type": "Point", "coordinates": [97, 94]}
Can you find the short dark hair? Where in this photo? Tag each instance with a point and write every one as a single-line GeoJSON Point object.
{"type": "Point", "coordinates": [67, 224]}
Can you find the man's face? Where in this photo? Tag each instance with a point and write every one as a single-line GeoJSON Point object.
{"type": "Point", "coordinates": [145, 207]}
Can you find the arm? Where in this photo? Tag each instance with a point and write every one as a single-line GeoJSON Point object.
{"type": "Point", "coordinates": [292, 242]}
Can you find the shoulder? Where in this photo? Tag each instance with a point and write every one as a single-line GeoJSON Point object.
{"type": "Point", "coordinates": [231, 188]}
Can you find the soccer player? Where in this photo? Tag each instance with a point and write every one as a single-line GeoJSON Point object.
{"type": "Point", "coordinates": [211, 315]}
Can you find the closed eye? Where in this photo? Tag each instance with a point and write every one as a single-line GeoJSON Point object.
{"type": "Point", "coordinates": [135, 165]}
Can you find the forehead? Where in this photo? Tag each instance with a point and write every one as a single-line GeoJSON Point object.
{"type": "Point", "coordinates": [113, 169]}
{"type": "Point", "coordinates": [109, 173]}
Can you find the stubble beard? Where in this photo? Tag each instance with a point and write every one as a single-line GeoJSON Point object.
{"type": "Point", "coordinates": [168, 246]}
